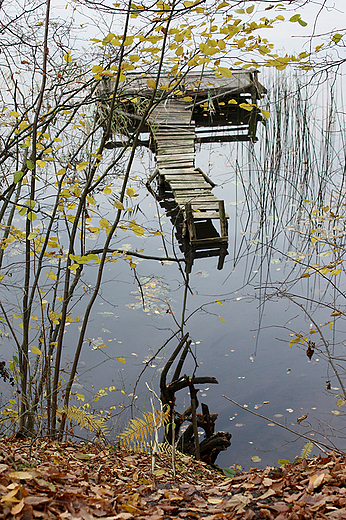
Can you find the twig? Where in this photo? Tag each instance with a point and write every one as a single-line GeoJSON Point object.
{"type": "Point", "coordinates": [317, 444]}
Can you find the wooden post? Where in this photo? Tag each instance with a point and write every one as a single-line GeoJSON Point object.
{"type": "Point", "coordinates": [190, 222]}
{"type": "Point", "coordinates": [223, 220]}
{"type": "Point", "coordinates": [222, 256]}
{"type": "Point", "coordinates": [193, 395]}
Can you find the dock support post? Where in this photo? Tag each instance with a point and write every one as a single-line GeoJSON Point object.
{"type": "Point", "coordinates": [223, 220]}
{"type": "Point", "coordinates": [190, 222]}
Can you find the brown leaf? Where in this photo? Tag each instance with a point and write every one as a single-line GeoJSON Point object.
{"type": "Point", "coordinates": [17, 508]}
{"type": "Point", "coordinates": [35, 500]}
{"type": "Point", "coordinates": [315, 481]}
{"type": "Point", "coordinates": [237, 503]}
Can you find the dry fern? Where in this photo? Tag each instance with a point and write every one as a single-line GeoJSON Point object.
{"type": "Point", "coordinates": [83, 418]}
{"type": "Point", "coordinates": [306, 451]}
{"type": "Point", "coordinates": [139, 431]}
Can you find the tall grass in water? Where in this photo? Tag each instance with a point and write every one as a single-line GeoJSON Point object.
{"type": "Point", "coordinates": [296, 167]}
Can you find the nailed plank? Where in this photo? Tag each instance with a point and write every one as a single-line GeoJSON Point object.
{"type": "Point", "coordinates": [207, 241]}
{"type": "Point", "coordinates": [203, 215]}
{"type": "Point", "coordinates": [182, 177]}
{"type": "Point", "coordinates": [163, 158]}
{"type": "Point", "coordinates": [188, 185]}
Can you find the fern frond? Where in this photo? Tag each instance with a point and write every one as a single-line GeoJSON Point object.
{"type": "Point", "coordinates": [83, 418]}
{"type": "Point", "coordinates": [306, 451]}
{"type": "Point", "coordinates": [139, 430]}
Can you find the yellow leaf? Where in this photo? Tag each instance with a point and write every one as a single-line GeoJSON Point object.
{"type": "Point", "coordinates": [305, 275]}
{"type": "Point", "coordinates": [265, 113]}
{"type": "Point", "coordinates": [50, 274]}
{"type": "Point", "coordinates": [134, 58]}
{"type": "Point", "coordinates": [91, 199]}
{"type": "Point", "coordinates": [61, 172]}
{"type": "Point", "coordinates": [40, 163]}
{"type": "Point", "coordinates": [335, 271]}
{"type": "Point", "coordinates": [250, 9]}
{"type": "Point", "coordinates": [68, 57]}
{"type": "Point", "coordinates": [246, 106]}
{"type": "Point", "coordinates": [81, 166]}
{"type": "Point", "coordinates": [232, 102]}
{"type": "Point", "coordinates": [159, 472]}
{"type": "Point", "coordinates": [256, 458]}
{"type": "Point", "coordinates": [36, 350]}
{"type": "Point", "coordinates": [226, 72]}
{"type": "Point", "coordinates": [97, 68]}
{"type": "Point", "coordinates": [130, 192]}
{"type": "Point", "coordinates": [151, 83]}
{"type": "Point", "coordinates": [104, 223]}
{"type": "Point", "coordinates": [31, 215]}
{"type": "Point", "coordinates": [218, 301]}
{"type": "Point", "coordinates": [107, 191]}
{"type": "Point", "coordinates": [118, 204]}
{"type": "Point", "coordinates": [221, 318]}
{"type": "Point", "coordinates": [121, 359]}
{"type": "Point", "coordinates": [14, 113]}
{"type": "Point", "coordinates": [297, 340]}
{"type": "Point", "coordinates": [340, 402]}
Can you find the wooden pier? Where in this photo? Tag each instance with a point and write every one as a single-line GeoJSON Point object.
{"type": "Point", "coordinates": [173, 135]}
{"type": "Point", "coordinates": [196, 106]}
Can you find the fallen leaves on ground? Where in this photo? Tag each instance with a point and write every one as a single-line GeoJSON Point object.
{"type": "Point", "coordinates": [43, 479]}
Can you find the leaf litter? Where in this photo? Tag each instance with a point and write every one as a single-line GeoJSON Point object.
{"type": "Point", "coordinates": [45, 480]}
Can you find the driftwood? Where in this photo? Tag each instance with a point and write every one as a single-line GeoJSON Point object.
{"type": "Point", "coordinates": [188, 442]}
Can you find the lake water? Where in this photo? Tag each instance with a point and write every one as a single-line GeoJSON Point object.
{"type": "Point", "coordinates": [244, 342]}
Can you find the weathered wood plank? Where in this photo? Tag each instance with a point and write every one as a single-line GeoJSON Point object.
{"type": "Point", "coordinates": [212, 240]}
{"type": "Point", "coordinates": [203, 215]}
{"type": "Point", "coordinates": [189, 185]}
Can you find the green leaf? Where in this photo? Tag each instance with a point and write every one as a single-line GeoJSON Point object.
{"type": "Point", "coordinates": [30, 165]}
{"type": "Point", "coordinates": [283, 462]}
{"type": "Point", "coordinates": [295, 18]}
{"type": "Point", "coordinates": [228, 472]}
{"type": "Point", "coordinates": [302, 23]}
{"type": "Point", "coordinates": [337, 37]}
{"type": "Point", "coordinates": [17, 176]}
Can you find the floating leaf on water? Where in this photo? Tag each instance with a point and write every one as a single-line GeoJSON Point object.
{"type": "Point", "coordinates": [256, 458]}
{"type": "Point", "coordinates": [202, 274]}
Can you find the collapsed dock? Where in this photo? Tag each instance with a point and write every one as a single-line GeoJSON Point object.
{"type": "Point", "coordinates": [192, 108]}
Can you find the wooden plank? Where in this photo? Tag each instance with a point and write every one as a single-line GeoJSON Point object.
{"type": "Point", "coordinates": [203, 215]}
{"type": "Point", "coordinates": [183, 171]}
{"type": "Point", "coordinates": [165, 158]}
{"type": "Point", "coordinates": [197, 202]}
{"type": "Point", "coordinates": [206, 241]}
{"type": "Point", "coordinates": [205, 205]}
{"type": "Point", "coordinates": [192, 192]}
{"type": "Point", "coordinates": [188, 185]}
